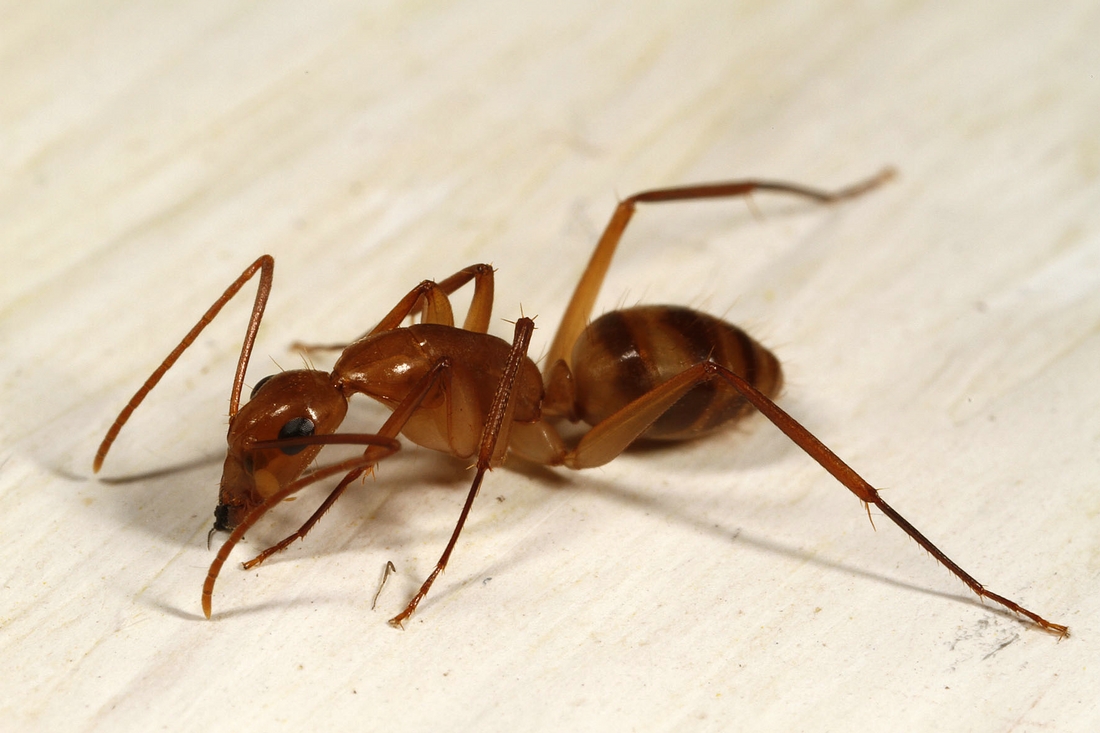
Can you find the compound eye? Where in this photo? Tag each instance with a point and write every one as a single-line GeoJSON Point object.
{"type": "Point", "coordinates": [259, 384]}
{"type": "Point", "coordinates": [298, 427]}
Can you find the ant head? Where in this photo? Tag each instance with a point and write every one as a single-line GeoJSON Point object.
{"type": "Point", "coordinates": [271, 439]}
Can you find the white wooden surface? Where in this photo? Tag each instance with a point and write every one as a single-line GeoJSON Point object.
{"type": "Point", "coordinates": [942, 335]}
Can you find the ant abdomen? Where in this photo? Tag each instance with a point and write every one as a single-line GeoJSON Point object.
{"type": "Point", "coordinates": [624, 354]}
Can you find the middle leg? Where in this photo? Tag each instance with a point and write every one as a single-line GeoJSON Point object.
{"type": "Point", "coordinates": [497, 424]}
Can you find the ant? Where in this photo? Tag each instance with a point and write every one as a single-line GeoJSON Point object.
{"type": "Point", "coordinates": [656, 373]}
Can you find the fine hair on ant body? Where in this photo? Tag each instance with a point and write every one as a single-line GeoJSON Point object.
{"type": "Point", "coordinates": [665, 373]}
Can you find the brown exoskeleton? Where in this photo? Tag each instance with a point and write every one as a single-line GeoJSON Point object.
{"type": "Point", "coordinates": [652, 372]}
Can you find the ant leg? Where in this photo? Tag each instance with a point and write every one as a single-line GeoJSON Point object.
{"type": "Point", "coordinates": [497, 425]}
{"type": "Point", "coordinates": [481, 304]}
{"type": "Point", "coordinates": [427, 298]}
{"type": "Point", "coordinates": [855, 483]}
{"type": "Point", "coordinates": [382, 448]}
{"type": "Point", "coordinates": [302, 531]}
{"type": "Point", "coordinates": [390, 429]}
{"type": "Point", "coordinates": [612, 435]}
{"type": "Point", "coordinates": [579, 310]}
{"type": "Point", "coordinates": [344, 439]}
{"type": "Point", "coordinates": [266, 266]}
{"type": "Point", "coordinates": [430, 299]}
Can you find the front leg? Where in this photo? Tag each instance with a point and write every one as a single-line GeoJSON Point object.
{"type": "Point", "coordinates": [389, 430]}
{"type": "Point", "coordinates": [381, 447]}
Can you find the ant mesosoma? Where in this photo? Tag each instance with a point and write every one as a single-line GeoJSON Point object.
{"type": "Point", "coordinates": [649, 372]}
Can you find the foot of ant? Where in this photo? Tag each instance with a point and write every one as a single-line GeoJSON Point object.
{"type": "Point", "coordinates": [253, 562]}
{"type": "Point", "coordinates": [1048, 626]}
{"type": "Point", "coordinates": [1062, 632]}
{"type": "Point", "coordinates": [263, 556]}
{"type": "Point", "coordinates": [399, 620]}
